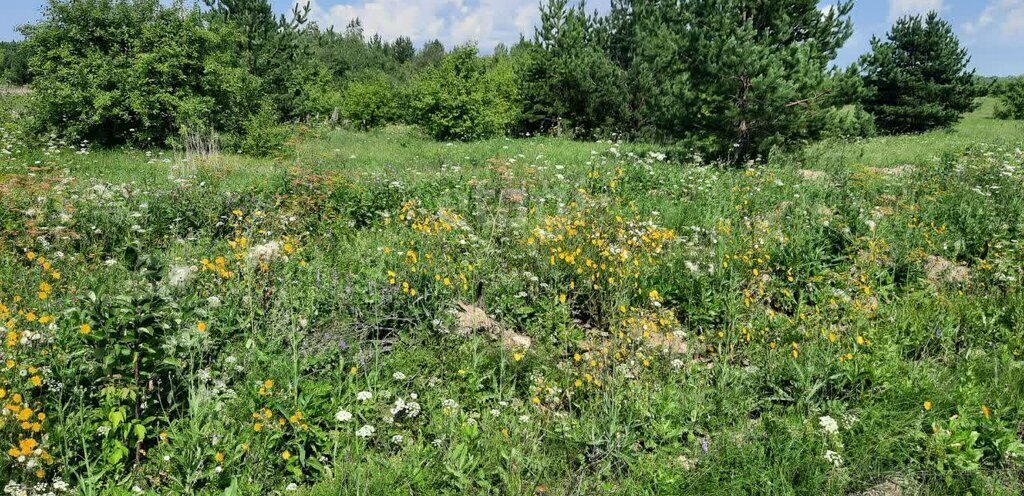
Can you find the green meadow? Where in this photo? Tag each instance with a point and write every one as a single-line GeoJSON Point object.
{"type": "Point", "coordinates": [380, 313]}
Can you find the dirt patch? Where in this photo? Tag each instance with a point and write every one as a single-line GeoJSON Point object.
{"type": "Point", "coordinates": [899, 170]}
{"type": "Point", "coordinates": [942, 271]}
{"type": "Point", "coordinates": [812, 175]}
{"type": "Point", "coordinates": [14, 90]}
{"type": "Point", "coordinates": [889, 487]}
{"type": "Point", "coordinates": [667, 343]}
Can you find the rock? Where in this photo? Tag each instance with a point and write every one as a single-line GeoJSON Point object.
{"type": "Point", "coordinates": [470, 319]}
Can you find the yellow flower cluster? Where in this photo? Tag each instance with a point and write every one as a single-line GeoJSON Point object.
{"type": "Point", "coordinates": [25, 330]}
{"type": "Point", "coordinates": [428, 258]}
{"type": "Point", "coordinates": [218, 266]}
{"type": "Point", "coordinates": [598, 249]}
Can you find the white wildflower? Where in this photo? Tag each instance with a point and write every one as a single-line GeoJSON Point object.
{"type": "Point", "coordinates": [829, 425]}
{"type": "Point", "coordinates": [833, 458]}
{"type": "Point", "coordinates": [366, 431]}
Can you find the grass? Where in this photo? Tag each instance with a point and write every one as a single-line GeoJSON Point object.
{"type": "Point", "coordinates": [533, 316]}
{"type": "Point", "coordinates": [979, 129]}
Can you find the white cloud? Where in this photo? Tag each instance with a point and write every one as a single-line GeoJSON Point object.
{"type": "Point", "coordinates": [1004, 18]}
{"type": "Point", "coordinates": [488, 22]}
{"type": "Point", "coordinates": [900, 8]}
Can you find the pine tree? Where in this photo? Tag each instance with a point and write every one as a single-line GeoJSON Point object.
{"type": "Point", "coordinates": [402, 50]}
{"type": "Point", "coordinates": [736, 78]}
{"type": "Point", "coordinates": [567, 78]}
{"type": "Point", "coordinates": [732, 78]}
{"type": "Point", "coordinates": [274, 49]}
{"type": "Point", "coordinates": [917, 78]}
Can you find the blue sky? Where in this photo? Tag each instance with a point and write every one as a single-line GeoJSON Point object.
{"type": "Point", "coordinates": [993, 30]}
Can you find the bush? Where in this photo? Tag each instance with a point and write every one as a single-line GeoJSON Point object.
{"type": "Point", "coordinates": [261, 134]}
{"type": "Point", "coordinates": [14, 63]}
{"type": "Point", "coordinates": [849, 122]}
{"type": "Point", "coordinates": [371, 102]}
{"type": "Point", "coordinates": [136, 72]}
{"type": "Point", "coordinates": [131, 72]}
{"type": "Point", "coordinates": [1011, 100]}
{"type": "Point", "coordinates": [466, 97]}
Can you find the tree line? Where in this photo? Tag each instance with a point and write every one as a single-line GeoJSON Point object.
{"type": "Point", "coordinates": [731, 80]}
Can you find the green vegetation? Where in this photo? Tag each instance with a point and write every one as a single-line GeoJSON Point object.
{"type": "Point", "coordinates": [722, 80]}
{"type": "Point", "coordinates": [240, 254]}
{"type": "Point", "coordinates": [466, 97]}
{"type": "Point", "coordinates": [917, 80]}
{"type": "Point", "coordinates": [1011, 99]}
{"type": "Point", "coordinates": [14, 64]}
{"type": "Point", "coordinates": [379, 311]}
{"type": "Point", "coordinates": [719, 78]}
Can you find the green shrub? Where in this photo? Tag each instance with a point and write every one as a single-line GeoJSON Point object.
{"type": "Point", "coordinates": [136, 72]}
{"type": "Point", "coordinates": [1011, 100]}
{"type": "Point", "coordinates": [261, 134]}
{"type": "Point", "coordinates": [849, 122]}
{"type": "Point", "coordinates": [14, 63]}
{"type": "Point", "coordinates": [371, 102]}
{"type": "Point", "coordinates": [131, 72]}
{"type": "Point", "coordinates": [466, 97]}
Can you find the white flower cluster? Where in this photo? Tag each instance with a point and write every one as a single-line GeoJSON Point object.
{"type": "Point", "coordinates": [829, 425]}
{"type": "Point", "coordinates": [411, 408]}
{"type": "Point", "coordinates": [366, 431]}
{"type": "Point", "coordinates": [834, 458]}
{"type": "Point", "coordinates": [58, 486]}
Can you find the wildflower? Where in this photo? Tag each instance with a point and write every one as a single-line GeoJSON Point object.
{"type": "Point", "coordinates": [829, 425]}
{"type": "Point", "coordinates": [927, 405]}
{"type": "Point", "coordinates": [85, 328]}
{"type": "Point", "coordinates": [219, 457]}
{"type": "Point", "coordinates": [366, 431]}
{"type": "Point", "coordinates": [343, 416]}
{"type": "Point", "coordinates": [292, 487]}
{"type": "Point", "coordinates": [286, 455]}
{"type": "Point", "coordinates": [517, 356]}
{"type": "Point", "coordinates": [397, 439]}
{"type": "Point", "coordinates": [201, 326]}
{"type": "Point", "coordinates": [986, 411]}
{"type": "Point", "coordinates": [364, 395]}
{"type": "Point", "coordinates": [834, 458]}
{"type": "Point", "coordinates": [398, 376]}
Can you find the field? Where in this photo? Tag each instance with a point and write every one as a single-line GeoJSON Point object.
{"type": "Point", "coordinates": [379, 313]}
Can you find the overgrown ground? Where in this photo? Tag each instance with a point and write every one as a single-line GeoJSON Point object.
{"type": "Point", "coordinates": [382, 314]}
